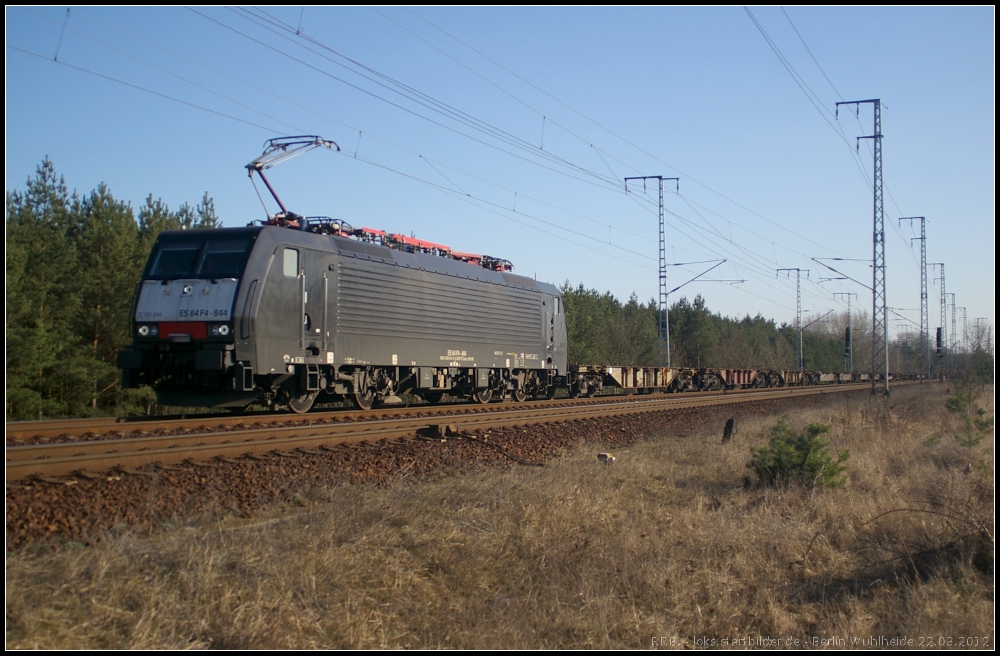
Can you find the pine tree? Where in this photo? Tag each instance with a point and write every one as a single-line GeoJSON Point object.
{"type": "Point", "coordinates": [207, 217]}
{"type": "Point", "coordinates": [42, 295]}
{"type": "Point", "coordinates": [109, 248]}
{"type": "Point", "coordinates": [72, 269]}
{"type": "Point", "coordinates": [154, 218]}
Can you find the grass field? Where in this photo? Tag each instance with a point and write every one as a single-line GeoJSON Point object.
{"type": "Point", "coordinates": [675, 544]}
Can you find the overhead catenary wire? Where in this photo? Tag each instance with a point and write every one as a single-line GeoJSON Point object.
{"type": "Point", "coordinates": [427, 101]}
{"type": "Point", "coordinates": [288, 28]}
{"type": "Point", "coordinates": [298, 129]}
{"type": "Point", "coordinates": [276, 130]}
{"type": "Point", "coordinates": [615, 134]}
{"type": "Point", "coordinates": [759, 270]}
{"type": "Point", "coordinates": [174, 75]}
{"type": "Point", "coordinates": [711, 226]}
{"type": "Point", "coordinates": [137, 87]}
{"type": "Point", "coordinates": [814, 98]}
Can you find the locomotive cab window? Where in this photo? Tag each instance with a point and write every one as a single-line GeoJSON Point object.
{"type": "Point", "coordinates": [223, 258]}
{"type": "Point", "coordinates": [290, 263]}
{"type": "Point", "coordinates": [176, 259]}
{"type": "Point", "coordinates": [199, 257]}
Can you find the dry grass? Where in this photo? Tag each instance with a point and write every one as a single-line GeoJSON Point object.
{"type": "Point", "coordinates": [672, 541]}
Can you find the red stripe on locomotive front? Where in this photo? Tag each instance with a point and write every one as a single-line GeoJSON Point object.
{"type": "Point", "coordinates": [196, 329]}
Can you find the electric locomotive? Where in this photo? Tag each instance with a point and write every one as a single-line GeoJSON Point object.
{"type": "Point", "coordinates": [280, 314]}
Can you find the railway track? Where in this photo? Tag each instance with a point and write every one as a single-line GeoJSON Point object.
{"type": "Point", "coordinates": [20, 433]}
{"type": "Point", "coordinates": [203, 438]}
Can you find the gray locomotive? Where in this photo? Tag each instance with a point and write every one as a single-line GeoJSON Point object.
{"type": "Point", "coordinates": [285, 313]}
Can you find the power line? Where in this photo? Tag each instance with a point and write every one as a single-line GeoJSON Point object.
{"type": "Point", "coordinates": [624, 140]}
{"type": "Point", "coordinates": [146, 90]}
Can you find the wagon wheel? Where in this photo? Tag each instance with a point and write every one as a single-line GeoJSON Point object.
{"type": "Point", "coordinates": [364, 399]}
{"type": "Point", "coordinates": [482, 395]}
{"type": "Point", "coordinates": [519, 395]}
{"type": "Point", "coordinates": [574, 392]}
{"type": "Point", "coordinates": [433, 397]}
{"type": "Point", "coordinates": [591, 392]}
{"type": "Point", "coordinates": [302, 403]}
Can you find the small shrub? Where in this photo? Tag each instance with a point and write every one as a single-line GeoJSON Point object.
{"type": "Point", "coordinates": [977, 424]}
{"type": "Point", "coordinates": [958, 401]}
{"type": "Point", "coordinates": [803, 459]}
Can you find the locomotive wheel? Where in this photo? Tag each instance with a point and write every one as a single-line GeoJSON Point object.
{"type": "Point", "coordinates": [519, 395]}
{"type": "Point", "coordinates": [364, 400]}
{"type": "Point", "coordinates": [482, 395]}
{"type": "Point", "coordinates": [547, 393]}
{"type": "Point", "coordinates": [302, 403]}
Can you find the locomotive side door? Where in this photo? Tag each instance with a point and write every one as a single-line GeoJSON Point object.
{"type": "Point", "coordinates": [555, 334]}
{"type": "Point", "coordinates": [317, 288]}
{"type": "Point", "coordinates": [280, 319]}
{"type": "Point", "coordinates": [549, 317]}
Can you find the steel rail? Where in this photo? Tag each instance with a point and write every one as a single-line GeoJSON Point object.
{"type": "Point", "coordinates": [66, 458]}
{"type": "Point", "coordinates": [20, 431]}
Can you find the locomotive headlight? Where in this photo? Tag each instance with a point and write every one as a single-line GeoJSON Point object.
{"type": "Point", "coordinates": [148, 330]}
{"type": "Point", "coordinates": [218, 329]}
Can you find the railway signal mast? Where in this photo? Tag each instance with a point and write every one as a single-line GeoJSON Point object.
{"type": "Point", "coordinates": [880, 328]}
{"type": "Point", "coordinates": [664, 320]}
{"type": "Point", "coordinates": [848, 338]}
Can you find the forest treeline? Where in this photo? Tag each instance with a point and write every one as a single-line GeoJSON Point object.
{"type": "Point", "coordinates": [73, 263]}
{"type": "Point", "coordinates": [604, 330]}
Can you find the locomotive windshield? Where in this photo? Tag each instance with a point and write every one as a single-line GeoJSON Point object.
{"type": "Point", "coordinates": [199, 256]}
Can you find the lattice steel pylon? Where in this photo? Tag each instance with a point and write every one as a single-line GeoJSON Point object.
{"type": "Point", "coordinates": [964, 345]}
{"type": "Point", "coordinates": [798, 311]}
{"type": "Point", "coordinates": [954, 328]}
{"type": "Point", "coordinates": [663, 320]}
{"type": "Point", "coordinates": [880, 308]}
{"type": "Point", "coordinates": [944, 320]}
{"type": "Point", "coordinates": [925, 334]}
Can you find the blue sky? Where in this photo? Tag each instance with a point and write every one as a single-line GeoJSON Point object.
{"type": "Point", "coordinates": [509, 131]}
